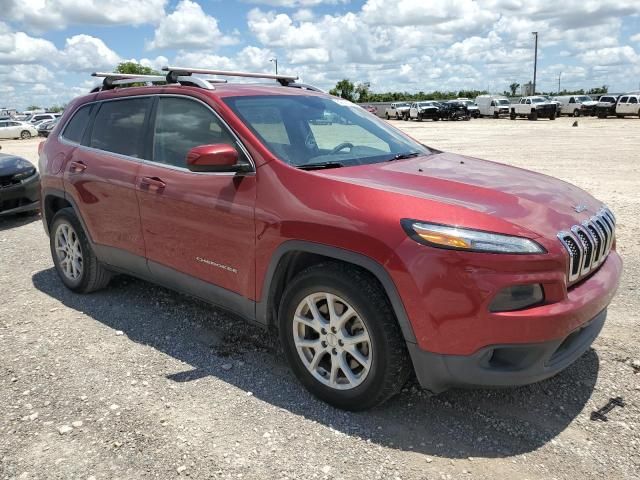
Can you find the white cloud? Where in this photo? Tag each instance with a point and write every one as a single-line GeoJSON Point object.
{"type": "Point", "coordinates": [85, 53]}
{"type": "Point", "coordinates": [25, 74]}
{"type": "Point", "coordinates": [43, 15]}
{"type": "Point", "coordinates": [611, 56]}
{"type": "Point", "coordinates": [635, 38]}
{"type": "Point", "coordinates": [26, 49]}
{"type": "Point", "coordinates": [295, 3]}
{"type": "Point", "coordinates": [155, 63]}
{"type": "Point", "coordinates": [189, 27]}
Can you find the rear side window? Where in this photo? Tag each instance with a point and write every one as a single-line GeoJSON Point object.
{"type": "Point", "coordinates": [182, 124]}
{"type": "Point", "coordinates": [623, 100]}
{"type": "Point", "coordinates": [633, 100]}
{"type": "Point", "coordinates": [75, 128]}
{"type": "Point", "coordinates": [119, 127]}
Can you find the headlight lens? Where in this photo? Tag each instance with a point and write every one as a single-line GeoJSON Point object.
{"type": "Point", "coordinates": [24, 175]}
{"type": "Point", "coordinates": [443, 236]}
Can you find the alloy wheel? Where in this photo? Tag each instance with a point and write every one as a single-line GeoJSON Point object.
{"type": "Point", "coordinates": [332, 341]}
{"type": "Point", "coordinates": [69, 251]}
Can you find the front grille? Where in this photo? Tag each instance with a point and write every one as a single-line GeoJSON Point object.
{"type": "Point", "coordinates": [8, 181]}
{"type": "Point", "coordinates": [589, 243]}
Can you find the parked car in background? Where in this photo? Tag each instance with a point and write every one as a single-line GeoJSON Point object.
{"type": "Point", "coordinates": [472, 108]}
{"type": "Point", "coordinates": [424, 110]}
{"type": "Point", "coordinates": [576, 105]}
{"type": "Point", "coordinates": [606, 106]}
{"type": "Point", "coordinates": [492, 105]}
{"type": "Point", "coordinates": [13, 129]}
{"type": "Point", "coordinates": [19, 185]}
{"type": "Point", "coordinates": [533, 107]}
{"type": "Point", "coordinates": [44, 116]}
{"type": "Point", "coordinates": [628, 105]}
{"type": "Point", "coordinates": [556, 103]}
{"type": "Point", "coordinates": [370, 109]}
{"type": "Point", "coordinates": [397, 110]}
{"type": "Point", "coordinates": [45, 127]}
{"type": "Point", "coordinates": [454, 110]}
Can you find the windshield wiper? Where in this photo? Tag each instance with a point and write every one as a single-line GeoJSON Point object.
{"type": "Point", "coordinates": [320, 166]}
{"type": "Point", "coordinates": [402, 156]}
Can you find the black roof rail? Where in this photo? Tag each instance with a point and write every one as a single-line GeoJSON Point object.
{"type": "Point", "coordinates": [113, 80]}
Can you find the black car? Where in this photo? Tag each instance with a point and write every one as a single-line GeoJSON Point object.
{"type": "Point", "coordinates": [19, 185]}
{"type": "Point", "coordinates": [44, 129]}
{"type": "Point", "coordinates": [454, 110]}
{"type": "Point", "coordinates": [606, 106]}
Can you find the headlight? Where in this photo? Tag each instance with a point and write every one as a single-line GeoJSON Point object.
{"type": "Point", "coordinates": [443, 236]}
{"type": "Point", "coordinates": [24, 175]}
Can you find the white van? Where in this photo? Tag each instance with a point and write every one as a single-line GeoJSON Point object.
{"type": "Point", "coordinates": [628, 104]}
{"type": "Point", "coordinates": [493, 105]}
{"type": "Point", "coordinates": [576, 105]}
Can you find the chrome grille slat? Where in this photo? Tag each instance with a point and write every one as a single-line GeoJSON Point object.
{"type": "Point", "coordinates": [588, 244]}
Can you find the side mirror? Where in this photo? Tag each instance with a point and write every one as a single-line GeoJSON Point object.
{"type": "Point", "coordinates": [220, 157]}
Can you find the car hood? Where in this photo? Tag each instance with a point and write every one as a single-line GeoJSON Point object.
{"type": "Point", "coordinates": [534, 202]}
{"type": "Point", "coordinates": [10, 165]}
{"type": "Point", "coordinates": [590, 104]}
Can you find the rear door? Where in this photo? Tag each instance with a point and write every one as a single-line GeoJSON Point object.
{"type": "Point", "coordinates": [101, 168]}
{"type": "Point", "coordinates": [196, 224]}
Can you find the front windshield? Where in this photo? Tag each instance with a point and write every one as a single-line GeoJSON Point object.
{"type": "Point", "coordinates": [425, 104]}
{"type": "Point", "coordinates": [584, 99]}
{"type": "Point", "coordinates": [538, 100]}
{"type": "Point", "coordinates": [503, 101]}
{"type": "Point", "coordinates": [308, 130]}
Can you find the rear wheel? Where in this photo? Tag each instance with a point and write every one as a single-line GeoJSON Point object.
{"type": "Point", "coordinates": [73, 258]}
{"type": "Point", "coordinates": [341, 337]}
{"type": "Point", "coordinates": [25, 135]}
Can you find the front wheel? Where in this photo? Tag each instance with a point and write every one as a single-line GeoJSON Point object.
{"type": "Point", "coordinates": [576, 113]}
{"type": "Point", "coordinates": [341, 338]}
{"type": "Point", "coordinates": [512, 116]}
{"type": "Point", "coordinates": [387, 115]}
{"type": "Point", "coordinates": [73, 258]}
{"type": "Point", "coordinates": [25, 135]}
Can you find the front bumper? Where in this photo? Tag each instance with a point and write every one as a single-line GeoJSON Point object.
{"type": "Point", "coordinates": [504, 365]}
{"type": "Point", "coordinates": [23, 197]}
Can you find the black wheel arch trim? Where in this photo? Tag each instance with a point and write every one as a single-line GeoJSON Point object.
{"type": "Point", "coordinates": [264, 307]}
{"type": "Point", "coordinates": [55, 192]}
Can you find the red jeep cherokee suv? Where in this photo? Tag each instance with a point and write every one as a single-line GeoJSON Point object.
{"type": "Point", "coordinates": [371, 253]}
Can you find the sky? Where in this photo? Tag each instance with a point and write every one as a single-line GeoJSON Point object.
{"type": "Point", "coordinates": [48, 48]}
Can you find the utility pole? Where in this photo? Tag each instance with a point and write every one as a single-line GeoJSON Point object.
{"type": "Point", "coordinates": [275, 61]}
{"type": "Point", "coordinates": [559, 77]}
{"type": "Point", "coordinates": [535, 63]}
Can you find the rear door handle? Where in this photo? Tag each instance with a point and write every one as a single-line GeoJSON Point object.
{"type": "Point", "coordinates": [77, 167]}
{"type": "Point", "coordinates": [153, 184]}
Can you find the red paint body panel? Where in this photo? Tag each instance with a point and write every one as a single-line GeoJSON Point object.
{"type": "Point", "coordinates": [241, 222]}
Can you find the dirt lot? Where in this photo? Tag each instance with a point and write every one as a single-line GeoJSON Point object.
{"type": "Point", "coordinates": [138, 382]}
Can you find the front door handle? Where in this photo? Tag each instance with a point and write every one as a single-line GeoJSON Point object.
{"type": "Point", "coordinates": [153, 184]}
{"type": "Point", "coordinates": [77, 167]}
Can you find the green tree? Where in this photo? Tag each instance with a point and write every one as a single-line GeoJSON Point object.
{"type": "Point", "coordinates": [33, 107]}
{"type": "Point", "coordinates": [136, 68]}
{"type": "Point", "coordinates": [362, 90]}
{"type": "Point", "coordinates": [514, 88]}
{"type": "Point", "coordinates": [345, 89]}
{"type": "Point", "coordinates": [55, 108]}
{"type": "Point", "coordinates": [599, 90]}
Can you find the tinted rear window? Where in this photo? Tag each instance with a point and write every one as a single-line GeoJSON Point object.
{"type": "Point", "coordinates": [119, 127]}
{"type": "Point", "coordinates": [75, 128]}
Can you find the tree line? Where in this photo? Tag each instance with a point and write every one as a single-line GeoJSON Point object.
{"type": "Point", "coordinates": [361, 93]}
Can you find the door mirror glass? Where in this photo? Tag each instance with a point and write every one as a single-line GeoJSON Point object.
{"type": "Point", "coordinates": [219, 157]}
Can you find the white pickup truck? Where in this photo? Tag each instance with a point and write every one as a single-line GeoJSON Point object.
{"type": "Point", "coordinates": [533, 108]}
{"type": "Point", "coordinates": [397, 110]}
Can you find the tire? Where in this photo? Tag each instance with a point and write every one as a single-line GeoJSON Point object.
{"type": "Point", "coordinates": [25, 135]}
{"type": "Point", "coordinates": [387, 115]}
{"type": "Point", "coordinates": [386, 353]}
{"type": "Point", "coordinates": [435, 119]}
{"type": "Point", "coordinates": [552, 116]}
{"type": "Point", "coordinates": [576, 113]}
{"type": "Point", "coordinates": [512, 115]}
{"type": "Point", "coordinates": [533, 116]}
{"type": "Point", "coordinates": [638, 113]}
{"type": "Point", "coordinates": [90, 274]}
{"type": "Point", "coordinates": [496, 115]}
{"type": "Point", "coordinates": [397, 116]}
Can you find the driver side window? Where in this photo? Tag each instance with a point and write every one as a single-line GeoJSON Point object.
{"type": "Point", "coordinates": [182, 124]}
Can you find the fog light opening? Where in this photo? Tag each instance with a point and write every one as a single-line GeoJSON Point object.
{"type": "Point", "coordinates": [517, 297]}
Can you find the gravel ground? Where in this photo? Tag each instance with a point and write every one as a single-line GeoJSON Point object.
{"type": "Point", "coordinates": [138, 382]}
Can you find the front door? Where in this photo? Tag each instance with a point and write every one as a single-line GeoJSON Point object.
{"type": "Point", "coordinates": [196, 224]}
